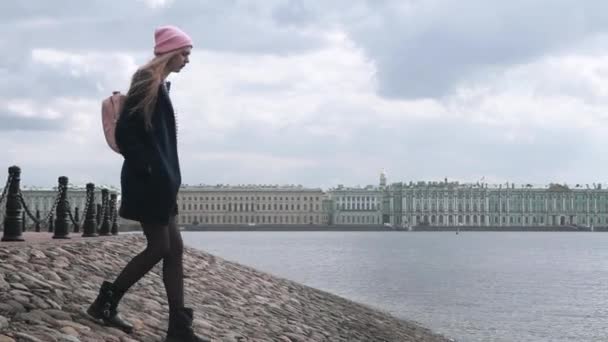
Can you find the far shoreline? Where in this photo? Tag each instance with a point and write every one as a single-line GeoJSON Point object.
{"type": "Point", "coordinates": [377, 228]}
{"type": "Point", "coordinates": [373, 228]}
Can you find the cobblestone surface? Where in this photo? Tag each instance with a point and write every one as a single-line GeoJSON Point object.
{"type": "Point", "coordinates": [46, 286]}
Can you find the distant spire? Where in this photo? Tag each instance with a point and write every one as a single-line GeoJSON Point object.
{"type": "Point", "coordinates": [383, 178]}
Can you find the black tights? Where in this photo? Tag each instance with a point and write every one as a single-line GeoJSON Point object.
{"type": "Point", "coordinates": [164, 242]}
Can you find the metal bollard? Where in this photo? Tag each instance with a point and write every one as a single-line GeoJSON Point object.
{"type": "Point", "coordinates": [62, 225]}
{"type": "Point", "coordinates": [51, 225]}
{"type": "Point", "coordinates": [114, 213]}
{"type": "Point", "coordinates": [12, 218]}
{"type": "Point", "coordinates": [76, 219]}
{"type": "Point", "coordinates": [105, 224]}
{"type": "Point", "coordinates": [23, 225]}
{"type": "Point", "coordinates": [90, 226]}
{"type": "Point", "coordinates": [37, 221]}
{"type": "Point", "coordinates": [98, 216]}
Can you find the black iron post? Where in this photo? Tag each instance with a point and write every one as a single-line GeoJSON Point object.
{"type": "Point", "coordinates": [51, 225]}
{"type": "Point", "coordinates": [62, 224]}
{"type": "Point", "coordinates": [12, 218]}
{"type": "Point", "coordinates": [114, 211]}
{"type": "Point", "coordinates": [37, 221]}
{"type": "Point", "coordinates": [105, 224]}
{"type": "Point", "coordinates": [98, 216]}
{"type": "Point", "coordinates": [90, 226]}
{"type": "Point", "coordinates": [76, 220]}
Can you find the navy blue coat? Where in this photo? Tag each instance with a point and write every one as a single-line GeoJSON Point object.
{"type": "Point", "coordinates": [150, 177]}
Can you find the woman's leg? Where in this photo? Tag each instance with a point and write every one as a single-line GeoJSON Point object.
{"type": "Point", "coordinates": [173, 268]}
{"type": "Point", "coordinates": [157, 248]}
{"type": "Point", "coordinates": [180, 318]}
{"type": "Point", "coordinates": [105, 305]}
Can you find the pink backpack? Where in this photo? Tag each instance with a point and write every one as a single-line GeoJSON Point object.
{"type": "Point", "coordinates": [110, 110]}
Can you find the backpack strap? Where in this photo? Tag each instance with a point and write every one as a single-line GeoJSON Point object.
{"type": "Point", "coordinates": [117, 100]}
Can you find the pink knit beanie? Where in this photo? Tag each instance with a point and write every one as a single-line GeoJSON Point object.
{"type": "Point", "coordinates": [169, 38]}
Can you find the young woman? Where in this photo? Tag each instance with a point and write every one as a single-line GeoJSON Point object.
{"type": "Point", "coordinates": [146, 135]}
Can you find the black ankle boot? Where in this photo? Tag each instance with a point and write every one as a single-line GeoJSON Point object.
{"type": "Point", "coordinates": [104, 307]}
{"type": "Point", "coordinates": [180, 327]}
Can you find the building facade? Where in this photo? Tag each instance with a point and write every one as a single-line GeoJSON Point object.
{"type": "Point", "coordinates": [398, 204]}
{"type": "Point", "coordinates": [356, 206]}
{"type": "Point", "coordinates": [454, 204]}
{"type": "Point", "coordinates": [252, 204]}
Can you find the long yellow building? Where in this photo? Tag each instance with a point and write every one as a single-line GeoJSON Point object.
{"type": "Point", "coordinates": [251, 205]}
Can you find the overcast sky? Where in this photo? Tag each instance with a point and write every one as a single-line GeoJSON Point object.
{"type": "Point", "coordinates": [318, 93]}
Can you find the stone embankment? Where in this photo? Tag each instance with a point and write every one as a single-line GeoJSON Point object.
{"type": "Point", "coordinates": [45, 287]}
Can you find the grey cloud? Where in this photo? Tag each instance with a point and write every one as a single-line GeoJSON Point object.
{"type": "Point", "coordinates": [426, 48]}
{"type": "Point", "coordinates": [422, 150]}
{"type": "Point", "coordinates": [12, 122]}
{"type": "Point", "coordinates": [226, 26]}
{"type": "Point", "coordinates": [44, 83]}
{"type": "Point", "coordinates": [293, 12]}
{"type": "Point", "coordinates": [419, 50]}
{"type": "Point", "coordinates": [427, 53]}
{"type": "Point", "coordinates": [258, 87]}
{"type": "Point", "coordinates": [74, 26]}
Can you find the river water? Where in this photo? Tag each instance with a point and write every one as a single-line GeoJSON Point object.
{"type": "Point", "coordinates": [474, 286]}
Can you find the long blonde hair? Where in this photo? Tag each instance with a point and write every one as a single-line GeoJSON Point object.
{"type": "Point", "coordinates": [145, 83]}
